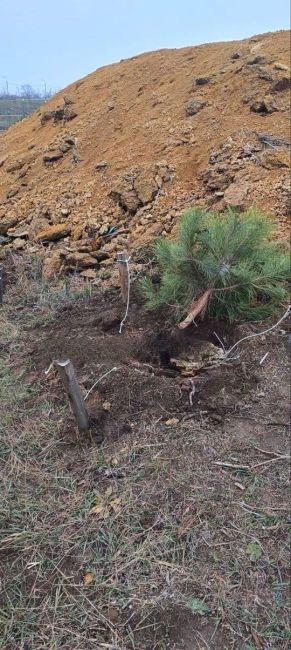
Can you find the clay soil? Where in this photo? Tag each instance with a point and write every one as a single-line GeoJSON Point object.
{"type": "Point", "coordinates": [206, 125]}
{"type": "Point", "coordinates": [164, 527]}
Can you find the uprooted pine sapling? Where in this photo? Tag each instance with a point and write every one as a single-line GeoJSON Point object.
{"type": "Point", "coordinates": [223, 266]}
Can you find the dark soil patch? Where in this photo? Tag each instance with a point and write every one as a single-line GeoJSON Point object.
{"type": "Point", "coordinates": [143, 386]}
{"type": "Point", "coordinates": [179, 629]}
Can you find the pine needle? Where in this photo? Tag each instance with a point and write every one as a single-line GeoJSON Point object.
{"type": "Point", "coordinates": [225, 266]}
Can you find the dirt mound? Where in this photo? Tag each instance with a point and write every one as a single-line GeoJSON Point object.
{"type": "Point", "coordinates": [109, 163]}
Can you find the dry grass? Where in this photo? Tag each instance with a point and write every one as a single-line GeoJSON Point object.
{"type": "Point", "coordinates": [169, 526]}
{"type": "Point", "coordinates": [41, 298]}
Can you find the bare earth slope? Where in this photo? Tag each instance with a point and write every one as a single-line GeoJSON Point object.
{"type": "Point", "coordinates": [134, 142]}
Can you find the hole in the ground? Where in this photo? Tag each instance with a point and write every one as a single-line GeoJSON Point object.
{"type": "Point", "coordinates": [165, 358]}
{"type": "Point", "coordinates": [204, 342]}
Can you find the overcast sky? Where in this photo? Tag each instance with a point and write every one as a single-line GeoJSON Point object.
{"type": "Point", "coordinates": [55, 42]}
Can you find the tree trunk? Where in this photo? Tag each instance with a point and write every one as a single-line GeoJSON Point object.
{"type": "Point", "coordinates": [199, 305]}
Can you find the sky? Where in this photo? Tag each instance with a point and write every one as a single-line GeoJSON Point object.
{"type": "Point", "coordinates": [51, 43]}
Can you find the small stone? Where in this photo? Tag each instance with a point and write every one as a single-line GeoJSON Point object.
{"type": "Point", "coordinates": [106, 406]}
{"type": "Point", "coordinates": [7, 221]}
{"type": "Point", "coordinates": [274, 159]}
{"type": "Point", "coordinates": [216, 417]}
{"type": "Point", "coordinates": [65, 212]}
{"type": "Point", "coordinates": [246, 99]}
{"type": "Point", "coordinates": [46, 117]}
{"type": "Point", "coordinates": [193, 106]}
{"type": "Point", "coordinates": [52, 156]}
{"type": "Point", "coordinates": [281, 66]}
{"type": "Point", "coordinates": [202, 81]}
{"type": "Point", "coordinates": [67, 100]}
{"type": "Point", "coordinates": [13, 167]}
{"type": "Point", "coordinates": [282, 84]}
{"type": "Point", "coordinates": [18, 243]}
{"type": "Point", "coordinates": [125, 196]}
{"type": "Point", "coordinates": [78, 261]}
{"type": "Point", "coordinates": [68, 114]}
{"type": "Point", "coordinates": [107, 262]}
{"type": "Point", "coordinates": [23, 173]}
{"type": "Point", "coordinates": [17, 233]}
{"type": "Point", "coordinates": [90, 274]}
{"type": "Point", "coordinates": [172, 422]}
{"type": "Point", "coordinates": [217, 180]}
{"type": "Point", "coordinates": [110, 106]}
{"type": "Point", "coordinates": [77, 233]}
{"type": "Point", "coordinates": [101, 256]}
{"type": "Point", "coordinates": [146, 187]}
{"type": "Point", "coordinates": [264, 106]}
{"type": "Point", "coordinates": [236, 196]}
{"type": "Point", "coordinates": [51, 265]}
{"type": "Point", "coordinates": [256, 60]}
{"type": "Point", "coordinates": [52, 233]}
{"type": "Point", "coordinates": [235, 55]}
{"type": "Point", "coordinates": [101, 165]}
{"type": "Point", "coordinates": [65, 147]}
{"type": "Point", "coordinates": [121, 240]}
{"type": "Point", "coordinates": [12, 192]}
{"type": "Point", "coordinates": [265, 75]}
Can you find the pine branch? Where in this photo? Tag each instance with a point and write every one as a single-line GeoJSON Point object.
{"type": "Point", "coordinates": [225, 266]}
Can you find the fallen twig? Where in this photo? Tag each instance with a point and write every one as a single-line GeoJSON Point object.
{"type": "Point", "coordinates": [99, 379]}
{"type": "Point", "coordinates": [273, 423]}
{"type": "Point", "coordinates": [268, 453]}
{"type": "Point", "coordinates": [271, 460]}
{"type": "Point", "coordinates": [250, 467]}
{"type": "Point", "coordinates": [251, 336]}
{"type": "Point", "coordinates": [192, 392]}
{"type": "Point", "coordinates": [220, 341]}
{"type": "Point", "coordinates": [266, 510]}
{"type": "Point", "coordinates": [48, 370]}
{"type": "Point", "coordinates": [264, 358]}
{"type": "Point", "coordinates": [164, 372]}
{"type": "Point", "coordinates": [257, 640]}
{"type": "Point", "coordinates": [230, 465]}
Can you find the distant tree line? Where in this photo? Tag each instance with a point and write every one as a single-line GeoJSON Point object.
{"type": "Point", "coordinates": [25, 92]}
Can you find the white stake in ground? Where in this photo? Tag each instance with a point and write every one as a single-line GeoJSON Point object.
{"type": "Point", "coordinates": [124, 276]}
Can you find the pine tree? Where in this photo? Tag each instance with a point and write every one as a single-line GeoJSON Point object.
{"type": "Point", "coordinates": [226, 266]}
